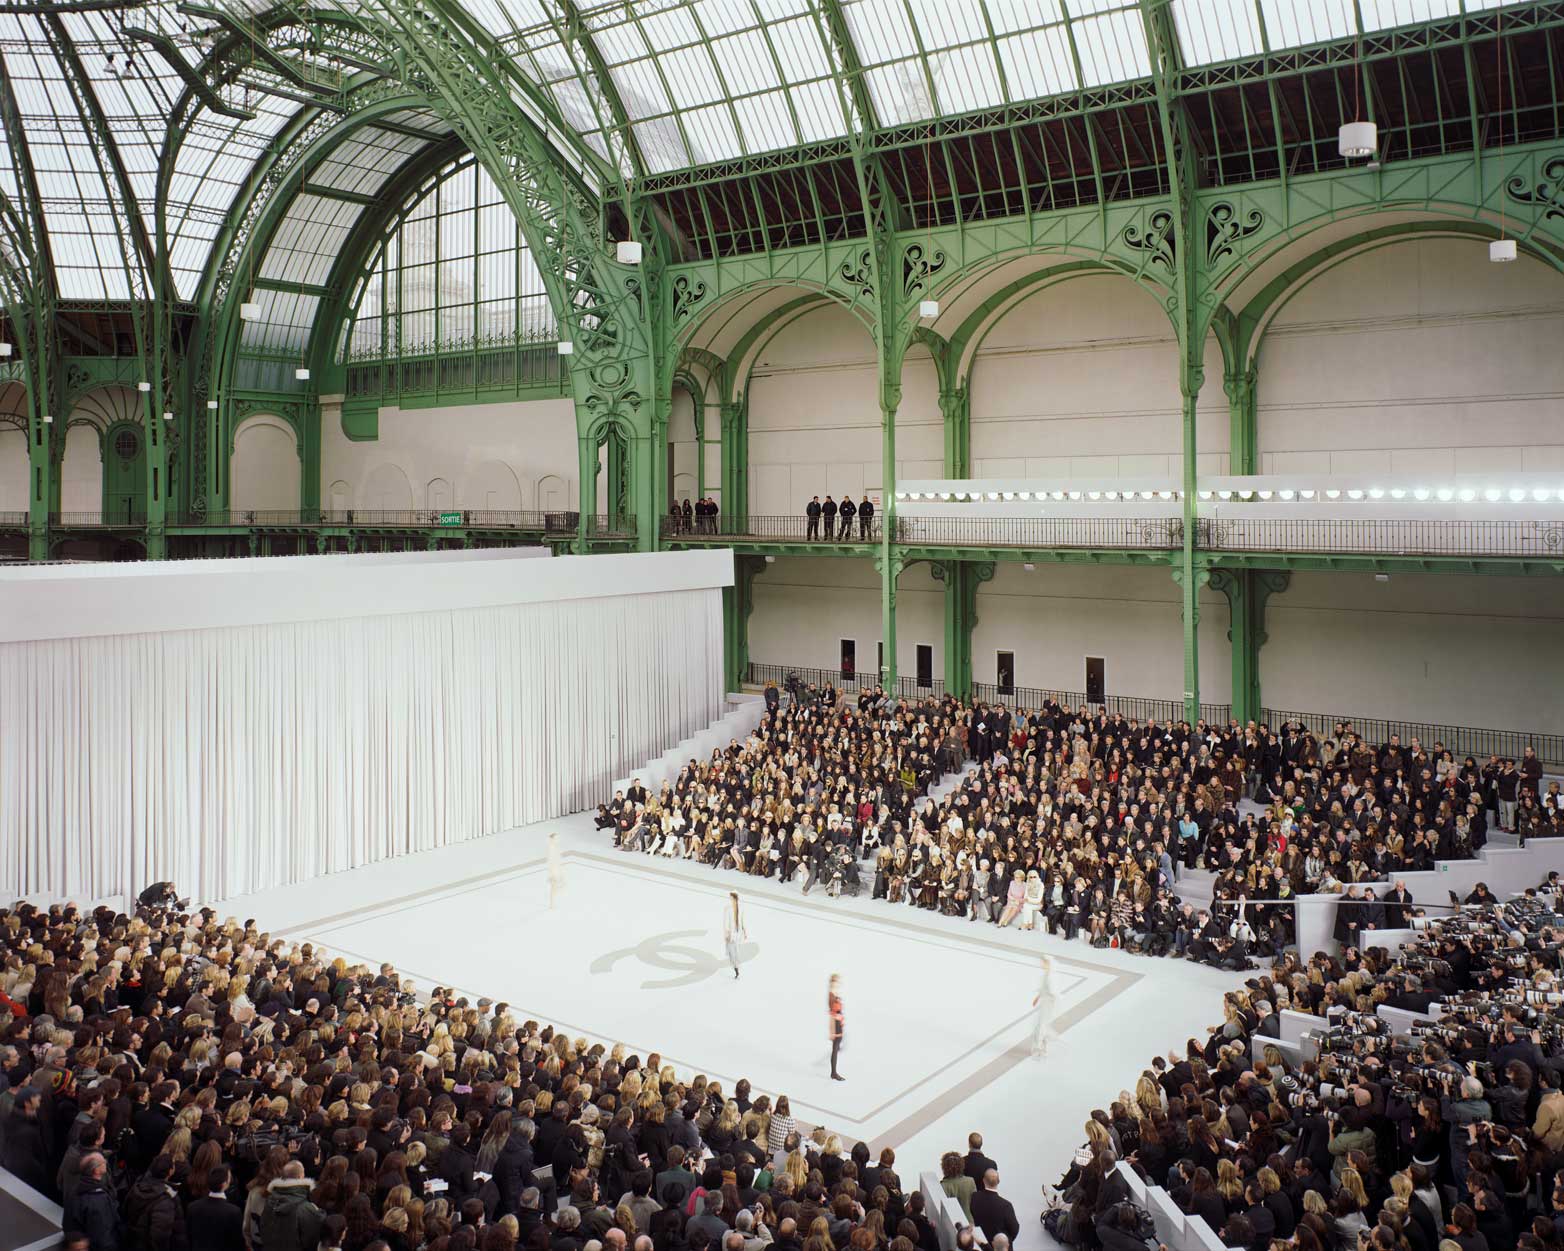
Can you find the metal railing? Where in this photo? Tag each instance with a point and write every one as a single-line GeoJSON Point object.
{"type": "Point", "coordinates": [1135, 707]}
{"type": "Point", "coordinates": [562, 524]}
{"type": "Point", "coordinates": [849, 682]}
{"type": "Point", "coordinates": [1542, 539]}
{"type": "Point", "coordinates": [1538, 539]}
{"type": "Point", "coordinates": [1462, 740]}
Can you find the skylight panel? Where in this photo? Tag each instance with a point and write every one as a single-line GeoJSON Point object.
{"type": "Point", "coordinates": [1039, 64]}
{"type": "Point", "coordinates": [1216, 30]}
{"type": "Point", "coordinates": [1112, 48]}
{"type": "Point", "coordinates": [765, 122]}
{"type": "Point", "coordinates": [747, 63]}
{"type": "Point", "coordinates": [880, 29]}
{"type": "Point", "coordinates": [819, 108]}
{"type": "Point", "coordinates": [1294, 23]}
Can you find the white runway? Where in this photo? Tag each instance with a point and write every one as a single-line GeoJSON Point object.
{"type": "Point", "coordinates": [939, 1014]}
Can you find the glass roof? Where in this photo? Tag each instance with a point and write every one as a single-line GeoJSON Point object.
{"type": "Point", "coordinates": [1225, 30]}
{"type": "Point", "coordinates": [136, 89]}
{"type": "Point", "coordinates": [650, 86]}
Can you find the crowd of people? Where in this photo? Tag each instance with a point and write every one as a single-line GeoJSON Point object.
{"type": "Point", "coordinates": [1078, 821]}
{"type": "Point", "coordinates": [1447, 1138]}
{"type": "Point", "coordinates": [181, 1083]}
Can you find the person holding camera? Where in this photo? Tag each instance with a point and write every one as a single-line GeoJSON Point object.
{"type": "Point", "coordinates": [1464, 1108]}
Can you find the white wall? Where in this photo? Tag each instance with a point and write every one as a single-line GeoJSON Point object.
{"type": "Point", "coordinates": [1081, 379]}
{"type": "Point", "coordinates": [515, 455]}
{"type": "Point", "coordinates": [805, 606]}
{"type": "Point", "coordinates": [1057, 615]}
{"type": "Point", "coordinates": [814, 415]}
{"type": "Point", "coordinates": [1052, 619]}
{"type": "Point", "coordinates": [81, 471]}
{"type": "Point", "coordinates": [13, 470]}
{"type": "Point", "coordinates": [264, 472]}
{"type": "Point", "coordinates": [683, 451]}
{"type": "Point", "coordinates": [1474, 651]}
{"type": "Point", "coordinates": [1418, 357]}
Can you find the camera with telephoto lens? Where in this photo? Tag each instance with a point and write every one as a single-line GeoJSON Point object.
{"type": "Point", "coordinates": [253, 1147]}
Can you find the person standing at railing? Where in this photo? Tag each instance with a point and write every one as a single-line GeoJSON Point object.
{"type": "Point", "coordinates": [828, 516]}
{"type": "Point", "coordinates": [675, 517]}
{"type": "Point", "coordinates": [812, 516]}
{"type": "Point", "coordinates": [865, 517]}
{"type": "Point", "coordinates": [848, 511]}
{"type": "Point", "coordinates": [689, 515]}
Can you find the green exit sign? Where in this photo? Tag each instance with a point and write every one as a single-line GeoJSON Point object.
{"type": "Point", "coordinates": [450, 519]}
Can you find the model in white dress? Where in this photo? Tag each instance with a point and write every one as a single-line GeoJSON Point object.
{"type": "Point", "coordinates": [1043, 1001]}
{"type": "Point", "coordinates": [556, 871]}
{"type": "Point", "coordinates": [733, 931]}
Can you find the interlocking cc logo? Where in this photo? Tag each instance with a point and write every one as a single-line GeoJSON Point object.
{"type": "Point", "coordinates": [665, 951]}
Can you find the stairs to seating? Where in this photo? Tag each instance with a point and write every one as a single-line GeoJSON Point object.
{"type": "Point", "coordinates": [741, 719]}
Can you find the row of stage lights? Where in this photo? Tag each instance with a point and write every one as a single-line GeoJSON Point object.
{"type": "Point", "coordinates": [1445, 495]}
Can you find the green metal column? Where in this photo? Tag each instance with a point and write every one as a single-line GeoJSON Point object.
{"type": "Point", "coordinates": [646, 494]}
{"type": "Point", "coordinates": [955, 405]}
{"type": "Point", "coordinates": [1190, 576]}
{"type": "Point", "coordinates": [889, 563]}
{"type": "Point", "coordinates": [1243, 423]}
{"type": "Point", "coordinates": [42, 483]}
{"type": "Point", "coordinates": [586, 494]}
{"type": "Point", "coordinates": [735, 461]}
{"type": "Point", "coordinates": [1248, 591]}
{"type": "Point", "coordinates": [618, 476]}
{"type": "Point", "coordinates": [962, 579]}
{"type": "Point", "coordinates": [738, 602]}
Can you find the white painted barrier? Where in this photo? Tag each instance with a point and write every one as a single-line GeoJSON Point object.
{"type": "Point", "coordinates": [944, 1213]}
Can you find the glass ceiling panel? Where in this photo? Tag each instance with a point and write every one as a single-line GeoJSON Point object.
{"type": "Point", "coordinates": [1224, 30]}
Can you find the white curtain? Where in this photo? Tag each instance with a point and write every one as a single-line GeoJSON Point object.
{"type": "Point", "coordinates": [235, 760]}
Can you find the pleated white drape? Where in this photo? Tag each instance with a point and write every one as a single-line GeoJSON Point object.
{"type": "Point", "coordinates": [235, 760]}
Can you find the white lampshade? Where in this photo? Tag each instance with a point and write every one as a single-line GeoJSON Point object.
{"type": "Point", "coordinates": [628, 251]}
{"type": "Point", "coordinates": [48, 420]}
{"type": "Point", "coordinates": [928, 309]}
{"type": "Point", "coordinates": [168, 416]}
{"type": "Point", "coordinates": [567, 348]}
{"type": "Point", "coordinates": [249, 311]}
{"type": "Point", "coordinates": [1357, 139]}
{"type": "Point", "coordinates": [211, 406]}
{"type": "Point", "coordinates": [5, 349]}
{"type": "Point", "coordinates": [1501, 250]}
{"type": "Point", "coordinates": [302, 374]}
{"type": "Point", "coordinates": [143, 387]}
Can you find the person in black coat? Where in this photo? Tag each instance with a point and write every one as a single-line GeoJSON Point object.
{"type": "Point", "coordinates": [812, 515]}
{"type": "Point", "coordinates": [151, 1126]}
{"type": "Point", "coordinates": [977, 1164]}
{"type": "Point", "coordinates": [847, 511]}
{"type": "Point", "coordinates": [828, 516]}
{"type": "Point", "coordinates": [457, 1163]}
{"type": "Point", "coordinates": [213, 1223]}
{"type": "Point", "coordinates": [865, 517]}
{"type": "Point", "coordinates": [1398, 906]}
{"type": "Point", "coordinates": [513, 1171]}
{"type": "Point", "coordinates": [992, 1213]}
{"type": "Point", "coordinates": [93, 1211]}
{"type": "Point", "coordinates": [25, 1155]}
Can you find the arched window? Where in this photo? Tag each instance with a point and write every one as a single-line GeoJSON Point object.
{"type": "Point", "coordinates": [454, 275]}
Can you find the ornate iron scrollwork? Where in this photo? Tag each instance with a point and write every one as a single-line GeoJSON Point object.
{"type": "Point", "coordinates": [918, 265]}
{"type": "Point", "coordinates": [1227, 226]}
{"type": "Point", "coordinates": [858, 273]}
{"type": "Point", "coordinates": [1546, 195]}
{"type": "Point", "coordinates": [686, 295]}
{"type": "Point", "coordinates": [1156, 239]}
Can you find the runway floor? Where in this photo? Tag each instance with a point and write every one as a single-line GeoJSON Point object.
{"type": "Point", "coordinates": [939, 1018]}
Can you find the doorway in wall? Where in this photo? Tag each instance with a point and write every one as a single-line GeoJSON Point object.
{"type": "Point", "coordinates": [1096, 680]}
{"type": "Point", "coordinates": [124, 475]}
{"type": "Point", "coordinates": [925, 665]}
{"type": "Point", "coordinates": [1005, 673]}
{"type": "Point", "coordinates": [849, 658]}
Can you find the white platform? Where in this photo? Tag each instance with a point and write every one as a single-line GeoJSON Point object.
{"type": "Point", "coordinates": [938, 1009]}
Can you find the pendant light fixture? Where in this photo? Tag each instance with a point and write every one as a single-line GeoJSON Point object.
{"type": "Point", "coordinates": [565, 347]}
{"type": "Point", "coordinates": [1501, 250]}
{"type": "Point", "coordinates": [5, 350]}
{"type": "Point", "coordinates": [628, 252]}
{"type": "Point", "coordinates": [1357, 138]}
{"type": "Point", "coordinates": [928, 309]}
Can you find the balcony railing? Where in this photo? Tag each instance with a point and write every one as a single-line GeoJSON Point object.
{"type": "Point", "coordinates": [1462, 740]}
{"type": "Point", "coordinates": [554, 524]}
{"type": "Point", "coordinates": [1536, 539]}
{"type": "Point", "coordinates": [1135, 707]}
{"type": "Point", "coordinates": [1541, 539]}
{"type": "Point", "coordinates": [848, 681]}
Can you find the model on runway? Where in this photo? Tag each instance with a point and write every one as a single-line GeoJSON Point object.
{"type": "Point", "coordinates": [556, 871]}
{"type": "Point", "coordinates": [835, 1023]}
{"type": "Point", "coordinates": [733, 930]}
{"type": "Point", "coordinates": [1043, 1001]}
